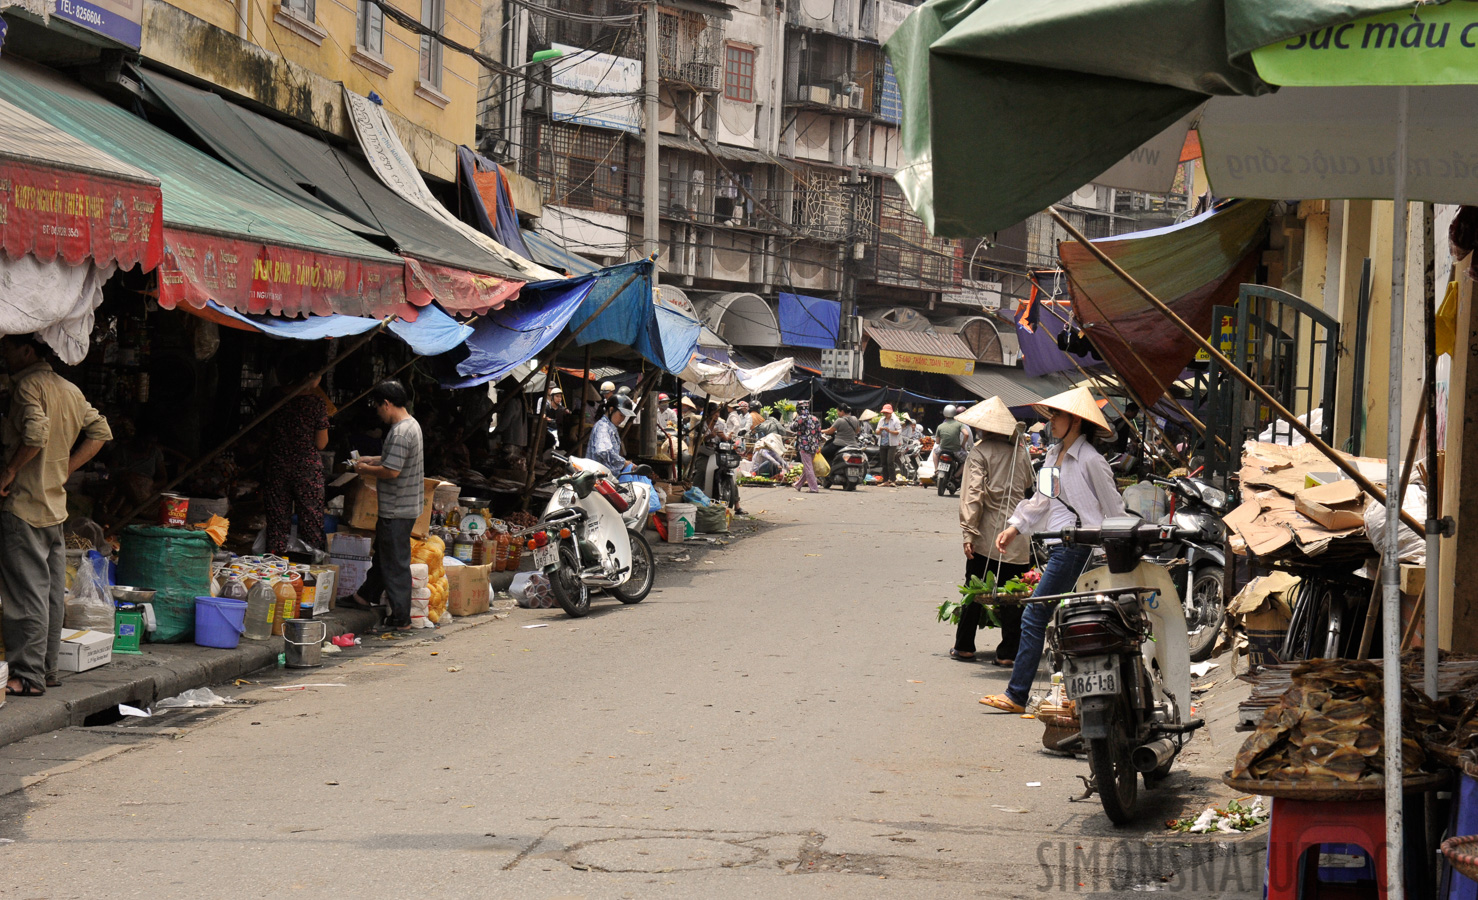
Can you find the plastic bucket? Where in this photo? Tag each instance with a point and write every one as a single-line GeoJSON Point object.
{"type": "Point", "coordinates": [219, 622]}
{"type": "Point", "coordinates": [302, 643]}
{"type": "Point", "coordinates": [681, 519]}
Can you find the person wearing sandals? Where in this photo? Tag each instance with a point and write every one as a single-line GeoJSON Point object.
{"type": "Point", "coordinates": [997, 474]}
{"type": "Point", "coordinates": [399, 472]}
{"type": "Point", "coordinates": [1087, 496]}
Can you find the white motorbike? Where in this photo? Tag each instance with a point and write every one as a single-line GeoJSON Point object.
{"type": "Point", "coordinates": [590, 536]}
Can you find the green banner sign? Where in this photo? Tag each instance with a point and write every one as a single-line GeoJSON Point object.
{"type": "Point", "coordinates": [1427, 45]}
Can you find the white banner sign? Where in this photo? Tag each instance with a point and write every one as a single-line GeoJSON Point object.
{"type": "Point", "coordinates": [586, 71]}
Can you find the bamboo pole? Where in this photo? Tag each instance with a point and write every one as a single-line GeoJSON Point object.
{"type": "Point", "coordinates": [1355, 475]}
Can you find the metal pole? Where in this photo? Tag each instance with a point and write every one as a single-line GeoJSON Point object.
{"type": "Point", "coordinates": [1434, 493]}
{"type": "Point", "coordinates": [1390, 558]}
{"type": "Point", "coordinates": [649, 137]}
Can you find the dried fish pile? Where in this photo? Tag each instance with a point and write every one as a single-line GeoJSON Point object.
{"type": "Point", "coordinates": [1455, 675]}
{"type": "Point", "coordinates": [1329, 726]}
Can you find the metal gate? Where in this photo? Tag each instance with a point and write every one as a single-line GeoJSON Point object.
{"type": "Point", "coordinates": [1291, 349]}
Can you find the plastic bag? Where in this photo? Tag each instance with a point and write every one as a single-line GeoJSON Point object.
{"type": "Point", "coordinates": [654, 503]}
{"type": "Point", "coordinates": [531, 590]}
{"type": "Point", "coordinates": [1411, 547]}
{"type": "Point", "coordinates": [820, 466]}
{"type": "Point", "coordinates": [90, 603]}
{"type": "Point", "coordinates": [712, 520]}
{"type": "Point", "coordinates": [696, 497]}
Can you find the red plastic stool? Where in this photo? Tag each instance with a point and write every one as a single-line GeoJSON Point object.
{"type": "Point", "coordinates": [1298, 825]}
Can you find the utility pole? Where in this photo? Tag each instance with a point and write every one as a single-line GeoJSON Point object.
{"type": "Point", "coordinates": [649, 134]}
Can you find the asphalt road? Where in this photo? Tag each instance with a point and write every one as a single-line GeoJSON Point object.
{"type": "Point", "coordinates": [779, 719]}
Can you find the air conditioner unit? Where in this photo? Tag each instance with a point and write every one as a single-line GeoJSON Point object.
{"type": "Point", "coordinates": [856, 99]}
{"type": "Point", "coordinates": [816, 93]}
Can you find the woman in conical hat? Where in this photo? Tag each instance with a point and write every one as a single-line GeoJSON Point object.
{"type": "Point", "coordinates": [1086, 496]}
{"type": "Point", "coordinates": [997, 474]}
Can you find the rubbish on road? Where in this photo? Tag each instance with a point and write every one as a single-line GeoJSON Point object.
{"type": "Point", "coordinates": [1033, 784]}
{"type": "Point", "coordinates": [813, 554]}
{"type": "Point", "coordinates": [199, 698]}
{"type": "Point", "coordinates": [331, 647]}
{"type": "Point", "coordinates": [1010, 809]}
{"type": "Point", "coordinates": [304, 687]}
{"type": "Point", "coordinates": [531, 590]}
{"type": "Point", "coordinates": [913, 681]}
{"type": "Point", "coordinates": [454, 668]}
{"type": "Point", "coordinates": [1200, 669]}
{"type": "Point", "coordinates": [127, 710]}
{"type": "Point", "coordinates": [1230, 819]}
{"type": "Point", "coordinates": [7, 840]}
{"type": "Point", "coordinates": [345, 640]}
{"type": "Point", "coordinates": [540, 625]}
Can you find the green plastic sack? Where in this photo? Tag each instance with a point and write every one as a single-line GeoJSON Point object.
{"type": "Point", "coordinates": [712, 519]}
{"type": "Point", "coordinates": [175, 562]}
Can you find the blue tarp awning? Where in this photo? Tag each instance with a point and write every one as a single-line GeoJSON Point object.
{"type": "Point", "coordinates": [546, 252]}
{"type": "Point", "coordinates": [809, 321]}
{"type": "Point", "coordinates": [508, 337]}
{"type": "Point", "coordinates": [433, 333]}
{"type": "Point", "coordinates": [663, 335]}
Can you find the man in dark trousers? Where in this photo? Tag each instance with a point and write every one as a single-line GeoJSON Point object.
{"type": "Point", "coordinates": [399, 472]}
{"type": "Point", "coordinates": [47, 416]}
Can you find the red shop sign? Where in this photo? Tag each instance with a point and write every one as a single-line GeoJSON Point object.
{"type": "Point", "coordinates": [285, 281]}
{"type": "Point", "coordinates": [53, 212]}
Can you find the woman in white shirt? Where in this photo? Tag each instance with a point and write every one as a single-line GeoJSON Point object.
{"type": "Point", "coordinates": [1086, 496]}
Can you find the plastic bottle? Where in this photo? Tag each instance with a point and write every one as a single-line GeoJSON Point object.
{"type": "Point", "coordinates": [260, 603]}
{"type": "Point", "coordinates": [286, 606]}
{"type": "Point", "coordinates": [309, 597]}
{"type": "Point", "coordinates": [233, 588]}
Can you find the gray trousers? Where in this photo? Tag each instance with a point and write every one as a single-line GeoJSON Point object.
{"type": "Point", "coordinates": [33, 562]}
{"type": "Point", "coordinates": [390, 573]}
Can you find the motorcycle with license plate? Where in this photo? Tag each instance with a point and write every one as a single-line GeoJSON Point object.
{"type": "Point", "coordinates": [1120, 642]}
{"type": "Point", "coordinates": [949, 472]}
{"type": "Point", "coordinates": [589, 537]}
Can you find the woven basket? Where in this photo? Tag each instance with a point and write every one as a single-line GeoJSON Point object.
{"type": "Point", "coordinates": [1462, 854]}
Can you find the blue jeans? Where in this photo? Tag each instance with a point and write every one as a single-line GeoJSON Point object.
{"type": "Point", "coordinates": [1059, 575]}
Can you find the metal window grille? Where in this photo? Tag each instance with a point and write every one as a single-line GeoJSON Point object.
{"type": "Point", "coordinates": [690, 49]}
{"type": "Point", "coordinates": [370, 28]}
{"type": "Point", "coordinates": [739, 74]}
{"type": "Point", "coordinates": [907, 255]}
{"type": "Point", "coordinates": [616, 40]}
{"type": "Point", "coordinates": [585, 168]}
{"type": "Point", "coordinates": [433, 16]}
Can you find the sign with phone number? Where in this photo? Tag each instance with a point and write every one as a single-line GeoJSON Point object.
{"type": "Point", "coordinates": [919, 362]}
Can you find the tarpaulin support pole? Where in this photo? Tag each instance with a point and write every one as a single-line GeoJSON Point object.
{"type": "Point", "coordinates": [1318, 443]}
{"type": "Point", "coordinates": [225, 445]}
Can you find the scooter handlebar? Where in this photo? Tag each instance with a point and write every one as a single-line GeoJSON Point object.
{"type": "Point", "coordinates": [1093, 537]}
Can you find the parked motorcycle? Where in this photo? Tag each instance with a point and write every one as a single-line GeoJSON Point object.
{"type": "Point", "coordinates": [1197, 509]}
{"type": "Point", "coordinates": [717, 466]}
{"type": "Point", "coordinates": [587, 539]}
{"type": "Point", "coordinates": [1124, 658]}
{"type": "Point", "coordinates": [949, 472]}
{"type": "Point", "coordinates": [848, 468]}
{"type": "Point", "coordinates": [907, 463]}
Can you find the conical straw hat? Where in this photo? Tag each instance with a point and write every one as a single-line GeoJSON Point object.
{"type": "Point", "coordinates": [989, 415]}
{"type": "Point", "coordinates": [1080, 403]}
{"type": "Point", "coordinates": [868, 415]}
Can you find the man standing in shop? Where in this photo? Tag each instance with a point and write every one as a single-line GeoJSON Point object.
{"type": "Point", "coordinates": [399, 472]}
{"type": "Point", "coordinates": [47, 416]}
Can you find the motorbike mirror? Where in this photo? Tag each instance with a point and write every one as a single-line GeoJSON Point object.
{"type": "Point", "coordinates": [1049, 481]}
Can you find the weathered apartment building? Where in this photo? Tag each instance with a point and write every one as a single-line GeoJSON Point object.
{"type": "Point", "coordinates": [778, 141]}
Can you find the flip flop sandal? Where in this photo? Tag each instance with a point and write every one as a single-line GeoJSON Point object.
{"type": "Point", "coordinates": [962, 657]}
{"type": "Point", "coordinates": [1003, 663]}
{"type": "Point", "coordinates": [27, 690]}
{"type": "Point", "coordinates": [1003, 703]}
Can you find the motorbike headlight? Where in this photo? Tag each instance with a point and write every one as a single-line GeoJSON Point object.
{"type": "Point", "coordinates": [1212, 497]}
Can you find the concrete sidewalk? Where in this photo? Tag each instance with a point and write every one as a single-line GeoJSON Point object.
{"type": "Point", "coordinates": [162, 670]}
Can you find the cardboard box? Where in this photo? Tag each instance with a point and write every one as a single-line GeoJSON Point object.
{"type": "Point", "coordinates": [352, 573]}
{"type": "Point", "coordinates": [85, 649]}
{"type": "Point", "coordinates": [328, 586]}
{"type": "Point", "coordinates": [467, 589]}
{"type": "Point", "coordinates": [1337, 505]}
{"type": "Point", "coordinates": [1264, 609]}
{"type": "Point", "coordinates": [364, 505]}
{"type": "Point", "coordinates": [354, 546]}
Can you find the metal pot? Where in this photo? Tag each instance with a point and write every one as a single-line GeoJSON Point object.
{"type": "Point", "coordinates": [301, 649]}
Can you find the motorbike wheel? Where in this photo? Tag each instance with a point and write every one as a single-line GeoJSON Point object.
{"type": "Point", "coordinates": [572, 593]}
{"type": "Point", "coordinates": [942, 484]}
{"type": "Point", "coordinates": [1113, 771]}
{"type": "Point", "coordinates": [643, 572]}
{"type": "Point", "coordinates": [850, 486]}
{"type": "Point", "coordinates": [1205, 610]}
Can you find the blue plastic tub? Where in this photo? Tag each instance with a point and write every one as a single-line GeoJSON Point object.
{"type": "Point", "coordinates": [219, 622]}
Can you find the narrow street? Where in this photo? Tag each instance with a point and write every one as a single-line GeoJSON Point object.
{"type": "Point", "coordinates": [778, 719]}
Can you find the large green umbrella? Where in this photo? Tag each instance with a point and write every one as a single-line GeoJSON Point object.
{"type": "Point", "coordinates": [1050, 95]}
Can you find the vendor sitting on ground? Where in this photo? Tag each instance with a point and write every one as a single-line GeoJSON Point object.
{"type": "Point", "coordinates": [769, 457]}
{"type": "Point", "coordinates": [605, 438]}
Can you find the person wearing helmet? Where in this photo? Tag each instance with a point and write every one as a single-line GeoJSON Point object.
{"type": "Point", "coordinates": [666, 415]}
{"type": "Point", "coordinates": [738, 419]}
{"type": "Point", "coordinates": [607, 389]}
{"type": "Point", "coordinates": [953, 436]}
{"type": "Point", "coordinates": [605, 438]}
{"type": "Point", "coordinates": [1086, 496]}
{"type": "Point", "coordinates": [624, 390]}
{"type": "Point", "coordinates": [843, 433]}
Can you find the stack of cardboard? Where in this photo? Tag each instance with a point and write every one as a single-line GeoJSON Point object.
{"type": "Point", "coordinates": [1291, 507]}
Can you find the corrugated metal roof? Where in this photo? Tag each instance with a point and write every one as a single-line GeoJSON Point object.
{"type": "Point", "coordinates": [738, 154]}
{"type": "Point", "coordinates": [925, 343]}
{"type": "Point", "coordinates": [1013, 387]}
